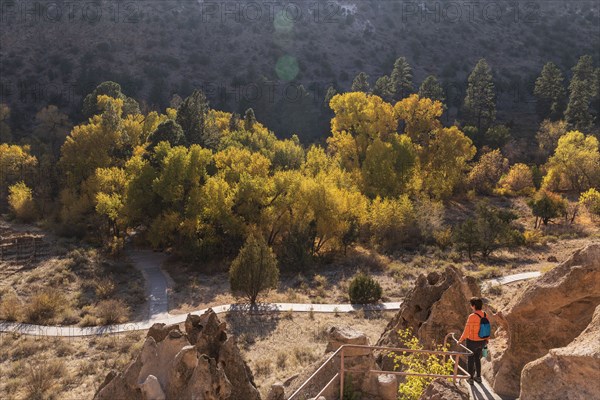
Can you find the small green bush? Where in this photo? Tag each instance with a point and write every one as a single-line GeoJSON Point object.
{"type": "Point", "coordinates": [364, 290]}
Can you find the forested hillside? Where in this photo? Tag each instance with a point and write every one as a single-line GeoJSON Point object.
{"type": "Point", "coordinates": [281, 58]}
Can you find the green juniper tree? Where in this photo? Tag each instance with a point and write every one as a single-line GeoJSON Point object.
{"type": "Point", "coordinates": [255, 269]}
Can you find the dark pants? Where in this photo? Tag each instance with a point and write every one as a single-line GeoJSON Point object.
{"type": "Point", "coordinates": [474, 362]}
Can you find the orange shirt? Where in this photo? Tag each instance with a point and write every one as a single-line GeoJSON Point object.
{"type": "Point", "coordinates": [471, 331]}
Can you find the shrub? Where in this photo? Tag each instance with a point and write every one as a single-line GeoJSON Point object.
{"type": "Point", "coordinates": [518, 181]}
{"type": "Point", "coordinates": [546, 206]}
{"type": "Point", "coordinates": [112, 312]}
{"type": "Point", "coordinates": [44, 306]}
{"type": "Point", "coordinates": [413, 386]}
{"type": "Point", "coordinates": [591, 201]}
{"type": "Point", "coordinates": [42, 378]}
{"type": "Point", "coordinates": [114, 246]}
{"type": "Point", "coordinates": [364, 290]}
{"type": "Point", "coordinates": [532, 238]}
{"type": "Point", "coordinates": [443, 238]}
{"type": "Point", "coordinates": [487, 171]}
{"type": "Point", "coordinates": [21, 203]}
{"type": "Point", "coordinates": [263, 367]}
{"type": "Point", "coordinates": [104, 288]}
{"type": "Point", "coordinates": [10, 307]}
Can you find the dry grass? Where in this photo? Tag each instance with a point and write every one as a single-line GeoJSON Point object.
{"type": "Point", "coordinates": [61, 368]}
{"type": "Point", "coordinates": [276, 346]}
{"type": "Point", "coordinates": [71, 289]}
{"type": "Point", "coordinates": [42, 379]}
{"type": "Point", "coordinates": [279, 345]}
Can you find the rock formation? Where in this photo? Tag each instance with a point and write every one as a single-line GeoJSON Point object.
{"type": "Point", "coordinates": [203, 363]}
{"type": "Point", "coordinates": [437, 305]}
{"type": "Point", "coordinates": [571, 372]}
{"type": "Point", "coordinates": [549, 314]}
{"type": "Point", "coordinates": [443, 389]}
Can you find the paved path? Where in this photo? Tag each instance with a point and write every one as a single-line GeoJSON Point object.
{"type": "Point", "coordinates": [149, 262]}
{"type": "Point", "coordinates": [482, 391]}
{"type": "Point", "coordinates": [503, 280]}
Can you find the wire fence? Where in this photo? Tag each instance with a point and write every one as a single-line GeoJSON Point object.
{"type": "Point", "coordinates": [24, 248]}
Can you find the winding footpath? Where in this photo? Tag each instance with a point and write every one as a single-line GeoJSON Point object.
{"type": "Point", "coordinates": [148, 263]}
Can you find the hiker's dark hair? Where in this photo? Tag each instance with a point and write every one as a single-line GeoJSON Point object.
{"type": "Point", "coordinates": [476, 302]}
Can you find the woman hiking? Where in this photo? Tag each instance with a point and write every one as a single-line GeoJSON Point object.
{"type": "Point", "coordinates": [476, 334]}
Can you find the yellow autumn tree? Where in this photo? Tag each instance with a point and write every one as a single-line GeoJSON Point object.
{"type": "Point", "coordinates": [21, 203]}
{"type": "Point", "coordinates": [445, 161]}
{"type": "Point", "coordinates": [420, 117]}
{"type": "Point", "coordinates": [16, 164]}
{"type": "Point", "coordinates": [359, 119]}
{"type": "Point", "coordinates": [575, 164]}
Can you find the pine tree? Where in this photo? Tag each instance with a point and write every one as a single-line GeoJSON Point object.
{"type": "Point", "coordinates": [328, 96]}
{"type": "Point", "coordinates": [581, 91]}
{"type": "Point", "coordinates": [431, 89]}
{"type": "Point", "coordinates": [402, 79]}
{"type": "Point", "coordinates": [480, 101]}
{"type": "Point", "coordinates": [383, 88]}
{"type": "Point", "coordinates": [550, 92]}
{"type": "Point", "coordinates": [361, 83]}
{"type": "Point", "coordinates": [596, 100]}
{"type": "Point", "coordinates": [191, 116]}
{"type": "Point", "coordinates": [249, 120]}
{"type": "Point", "coordinates": [234, 121]}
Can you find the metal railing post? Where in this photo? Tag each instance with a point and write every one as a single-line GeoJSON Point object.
{"type": "Point", "coordinates": [454, 356]}
{"type": "Point", "coordinates": [455, 368]}
{"type": "Point", "coordinates": [342, 374]}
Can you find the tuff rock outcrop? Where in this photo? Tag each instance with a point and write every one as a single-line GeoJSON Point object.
{"type": "Point", "coordinates": [570, 373]}
{"type": "Point", "coordinates": [444, 389]}
{"type": "Point", "coordinates": [437, 305]}
{"type": "Point", "coordinates": [549, 314]}
{"type": "Point", "coordinates": [202, 363]}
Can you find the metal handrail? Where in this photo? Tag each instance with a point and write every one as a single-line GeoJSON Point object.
{"type": "Point", "coordinates": [342, 370]}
